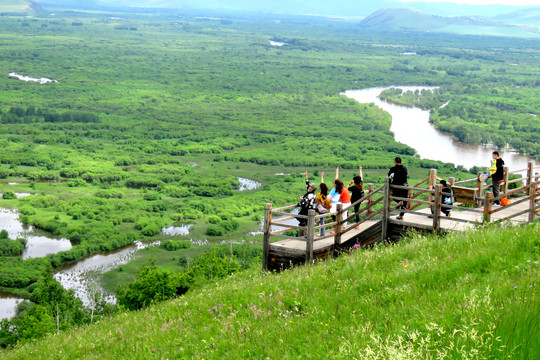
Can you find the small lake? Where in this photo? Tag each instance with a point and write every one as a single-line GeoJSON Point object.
{"type": "Point", "coordinates": [83, 276]}
{"type": "Point", "coordinates": [411, 126]}
{"type": "Point", "coordinates": [19, 195]}
{"type": "Point", "coordinates": [37, 245]}
{"type": "Point", "coordinates": [8, 303]}
{"type": "Point", "coordinates": [177, 230]}
{"type": "Point", "coordinates": [28, 78]}
{"type": "Point", "coordinates": [248, 184]}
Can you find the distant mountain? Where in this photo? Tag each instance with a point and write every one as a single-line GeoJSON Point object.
{"type": "Point", "coordinates": [528, 16]}
{"type": "Point", "coordinates": [345, 8]}
{"type": "Point", "coordinates": [21, 7]}
{"type": "Point", "coordinates": [407, 19]}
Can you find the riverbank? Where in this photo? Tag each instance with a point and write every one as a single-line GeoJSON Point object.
{"type": "Point", "coordinates": [477, 120]}
{"type": "Point", "coordinates": [411, 126]}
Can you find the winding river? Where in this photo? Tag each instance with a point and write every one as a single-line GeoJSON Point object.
{"type": "Point", "coordinates": [411, 127]}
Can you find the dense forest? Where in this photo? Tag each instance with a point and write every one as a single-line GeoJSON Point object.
{"type": "Point", "coordinates": [152, 120]}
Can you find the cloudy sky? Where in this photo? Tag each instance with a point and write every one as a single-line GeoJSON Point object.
{"type": "Point", "coordinates": [486, 2]}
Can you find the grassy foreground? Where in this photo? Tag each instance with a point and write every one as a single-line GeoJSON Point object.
{"type": "Point", "coordinates": [463, 296]}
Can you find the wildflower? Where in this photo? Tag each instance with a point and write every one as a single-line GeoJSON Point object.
{"type": "Point", "coordinates": [325, 324]}
{"type": "Point", "coordinates": [153, 350]}
{"type": "Point", "coordinates": [406, 265]}
{"type": "Point", "coordinates": [370, 289]}
{"type": "Point", "coordinates": [515, 287]}
{"type": "Point", "coordinates": [356, 246]}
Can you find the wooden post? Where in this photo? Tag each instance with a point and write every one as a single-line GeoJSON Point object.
{"type": "Point", "coordinates": [532, 200]}
{"type": "Point", "coordinates": [370, 199]}
{"type": "Point", "coordinates": [479, 187]}
{"type": "Point", "coordinates": [310, 235]}
{"type": "Point", "coordinates": [266, 237]}
{"type": "Point", "coordinates": [386, 209]}
{"type": "Point", "coordinates": [339, 219]}
{"type": "Point", "coordinates": [437, 207]}
{"type": "Point", "coordinates": [451, 181]}
{"type": "Point", "coordinates": [530, 179]}
{"type": "Point", "coordinates": [487, 207]}
{"type": "Point", "coordinates": [505, 179]}
{"type": "Point", "coordinates": [432, 182]}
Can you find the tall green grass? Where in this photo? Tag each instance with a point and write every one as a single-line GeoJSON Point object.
{"type": "Point", "coordinates": [462, 296]}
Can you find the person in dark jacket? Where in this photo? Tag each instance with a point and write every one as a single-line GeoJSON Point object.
{"type": "Point", "coordinates": [357, 192]}
{"type": "Point", "coordinates": [498, 176]}
{"type": "Point", "coordinates": [307, 202]}
{"type": "Point", "coordinates": [398, 176]}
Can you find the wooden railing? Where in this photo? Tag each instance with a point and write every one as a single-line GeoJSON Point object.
{"type": "Point", "coordinates": [529, 192]}
{"type": "Point", "coordinates": [338, 224]}
{"type": "Point", "coordinates": [429, 196]}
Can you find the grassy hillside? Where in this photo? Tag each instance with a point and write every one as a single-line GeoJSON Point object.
{"type": "Point", "coordinates": [472, 295]}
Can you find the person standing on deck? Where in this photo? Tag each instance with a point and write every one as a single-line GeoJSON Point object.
{"type": "Point", "coordinates": [497, 176]}
{"type": "Point", "coordinates": [357, 192]}
{"type": "Point", "coordinates": [398, 176]}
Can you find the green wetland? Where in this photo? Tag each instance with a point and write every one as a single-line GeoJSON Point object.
{"type": "Point", "coordinates": [179, 129]}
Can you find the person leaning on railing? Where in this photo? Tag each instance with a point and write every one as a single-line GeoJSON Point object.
{"type": "Point", "coordinates": [323, 202]}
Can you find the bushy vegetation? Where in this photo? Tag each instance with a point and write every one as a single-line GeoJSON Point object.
{"type": "Point", "coordinates": [10, 247]}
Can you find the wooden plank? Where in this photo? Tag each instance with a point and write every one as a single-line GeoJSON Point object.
{"type": "Point", "coordinates": [290, 216]}
{"type": "Point", "coordinates": [288, 207]}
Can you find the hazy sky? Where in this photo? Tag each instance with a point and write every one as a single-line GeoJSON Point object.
{"type": "Point", "coordinates": [485, 2]}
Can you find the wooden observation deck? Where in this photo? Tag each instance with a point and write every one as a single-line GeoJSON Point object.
{"type": "Point", "coordinates": [473, 205]}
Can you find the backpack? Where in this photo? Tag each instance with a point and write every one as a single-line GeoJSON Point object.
{"type": "Point", "coordinates": [327, 204]}
{"type": "Point", "coordinates": [324, 206]}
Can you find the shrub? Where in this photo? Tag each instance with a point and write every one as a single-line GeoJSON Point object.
{"type": "Point", "coordinates": [150, 230]}
{"type": "Point", "coordinates": [214, 219]}
{"type": "Point", "coordinates": [76, 183]}
{"type": "Point", "coordinates": [170, 245]}
{"type": "Point", "coordinates": [27, 210]}
{"type": "Point", "coordinates": [109, 194]}
{"type": "Point", "coordinates": [229, 225]}
{"type": "Point", "coordinates": [9, 195]}
{"type": "Point", "coordinates": [215, 230]}
{"type": "Point", "coordinates": [152, 195]}
{"type": "Point", "coordinates": [152, 285]}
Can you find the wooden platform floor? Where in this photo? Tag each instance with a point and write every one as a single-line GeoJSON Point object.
{"type": "Point", "coordinates": [472, 218]}
{"type": "Point", "coordinates": [321, 245]}
{"type": "Point", "coordinates": [410, 220]}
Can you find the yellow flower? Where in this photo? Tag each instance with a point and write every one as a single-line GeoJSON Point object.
{"type": "Point", "coordinates": [370, 289]}
{"type": "Point", "coordinates": [325, 324]}
{"type": "Point", "coordinates": [406, 265]}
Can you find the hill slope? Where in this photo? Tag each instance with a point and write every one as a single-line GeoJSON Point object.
{"type": "Point", "coordinates": [21, 7]}
{"type": "Point", "coordinates": [461, 296]}
{"type": "Point", "coordinates": [407, 19]}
